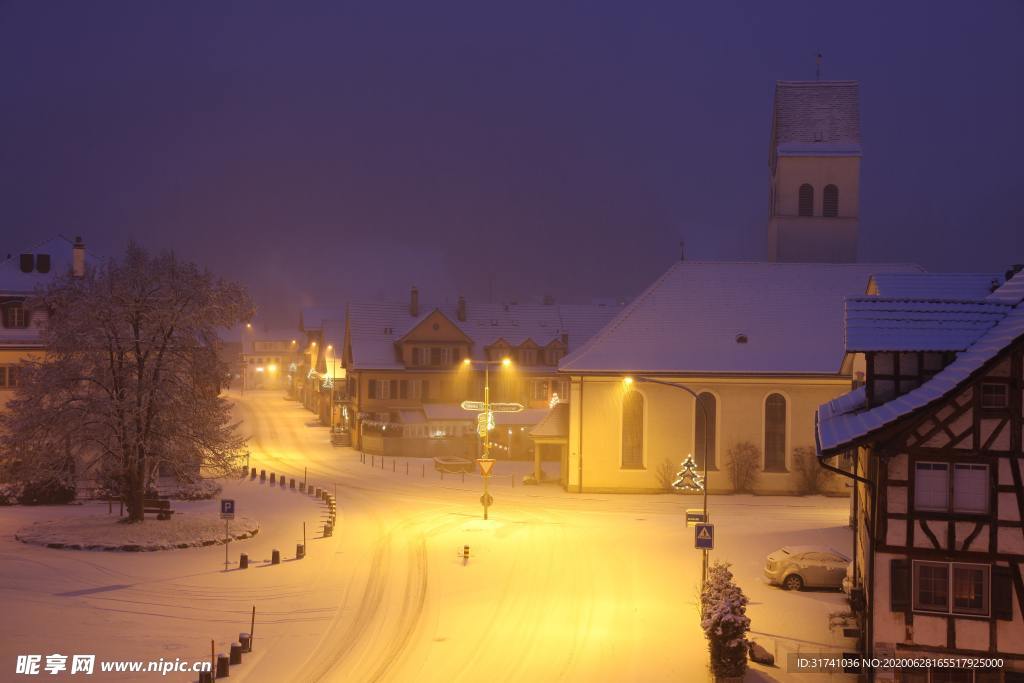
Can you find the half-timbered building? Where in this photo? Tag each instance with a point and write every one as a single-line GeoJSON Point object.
{"type": "Point", "coordinates": [935, 435]}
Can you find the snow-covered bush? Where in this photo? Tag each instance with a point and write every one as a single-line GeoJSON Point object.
{"type": "Point", "coordinates": [811, 476]}
{"type": "Point", "coordinates": [725, 622]}
{"type": "Point", "coordinates": [744, 466]}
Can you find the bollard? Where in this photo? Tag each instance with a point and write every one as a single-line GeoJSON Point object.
{"type": "Point", "coordinates": [223, 665]}
{"type": "Point", "coordinates": [246, 642]}
{"type": "Point", "coordinates": [319, 492]}
{"type": "Point", "coordinates": [263, 475]}
{"type": "Point", "coordinates": [423, 470]}
{"type": "Point", "coordinates": [275, 557]}
{"type": "Point", "coordinates": [236, 653]}
{"type": "Point", "coordinates": [282, 480]}
{"type": "Point", "coordinates": [253, 472]}
{"type": "Point", "coordinates": [291, 484]}
{"type": "Point", "coordinates": [272, 480]}
{"type": "Point", "coordinates": [328, 530]}
{"type": "Point", "coordinates": [302, 487]}
{"type": "Point", "coordinates": [465, 552]}
{"type": "Point", "coordinates": [243, 561]}
{"type": "Point", "coordinates": [300, 551]}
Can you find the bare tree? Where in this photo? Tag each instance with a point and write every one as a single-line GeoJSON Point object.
{"type": "Point", "coordinates": [130, 381]}
{"type": "Point", "coordinates": [743, 465]}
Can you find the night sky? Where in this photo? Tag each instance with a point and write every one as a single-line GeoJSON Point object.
{"type": "Point", "coordinates": [329, 151]}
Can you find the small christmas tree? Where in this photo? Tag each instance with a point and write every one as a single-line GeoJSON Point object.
{"type": "Point", "coordinates": [687, 478]}
{"type": "Point", "coordinates": [725, 622]}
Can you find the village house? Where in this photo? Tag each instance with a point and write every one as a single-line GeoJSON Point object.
{"type": "Point", "coordinates": [21, 325]}
{"type": "Point", "coordinates": [935, 437]}
{"type": "Point", "coordinates": [269, 358]}
{"type": "Point", "coordinates": [408, 373]}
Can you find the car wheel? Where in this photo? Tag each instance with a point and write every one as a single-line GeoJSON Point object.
{"type": "Point", "coordinates": [793, 582]}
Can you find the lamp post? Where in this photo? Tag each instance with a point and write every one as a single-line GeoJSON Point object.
{"type": "Point", "coordinates": [245, 366]}
{"type": "Point", "coordinates": [704, 412]}
{"type": "Point", "coordinates": [485, 421]}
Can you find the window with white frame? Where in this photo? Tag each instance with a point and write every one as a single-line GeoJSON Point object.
{"type": "Point", "coordinates": [967, 492]}
{"type": "Point", "coordinates": [539, 390]}
{"type": "Point", "coordinates": [951, 587]}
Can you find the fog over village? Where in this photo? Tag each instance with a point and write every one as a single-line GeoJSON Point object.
{"type": "Point", "coordinates": [467, 342]}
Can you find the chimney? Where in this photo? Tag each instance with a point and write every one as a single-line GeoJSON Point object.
{"type": "Point", "coordinates": [565, 339]}
{"type": "Point", "coordinates": [414, 302]}
{"type": "Point", "coordinates": [78, 258]}
{"type": "Point", "coordinates": [549, 300]}
{"type": "Point", "coordinates": [460, 310]}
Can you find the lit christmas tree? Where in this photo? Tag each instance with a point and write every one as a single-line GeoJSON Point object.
{"type": "Point", "coordinates": [688, 478]}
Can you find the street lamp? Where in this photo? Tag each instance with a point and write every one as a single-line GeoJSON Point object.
{"type": "Point", "coordinates": [628, 383]}
{"type": "Point", "coordinates": [485, 420]}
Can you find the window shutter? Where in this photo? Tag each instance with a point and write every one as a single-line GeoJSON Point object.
{"type": "Point", "coordinates": [1002, 593]}
{"type": "Point", "coordinates": [899, 585]}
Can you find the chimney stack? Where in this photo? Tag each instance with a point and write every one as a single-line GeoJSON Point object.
{"type": "Point", "coordinates": [414, 302]}
{"type": "Point", "coordinates": [460, 311]}
{"type": "Point", "coordinates": [78, 258]}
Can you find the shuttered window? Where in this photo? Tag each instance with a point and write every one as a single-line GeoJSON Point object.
{"type": "Point", "coordinates": [1002, 593]}
{"type": "Point", "coordinates": [633, 430]}
{"type": "Point", "coordinates": [899, 585]}
{"type": "Point", "coordinates": [931, 586]}
{"type": "Point", "coordinates": [701, 439]}
{"type": "Point", "coordinates": [830, 201]}
{"type": "Point", "coordinates": [806, 200]}
{"type": "Point", "coordinates": [775, 433]}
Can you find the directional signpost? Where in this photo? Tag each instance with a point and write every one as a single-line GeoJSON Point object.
{"type": "Point", "coordinates": [484, 425]}
{"type": "Point", "coordinates": [704, 537]}
{"type": "Point", "coordinates": [227, 513]}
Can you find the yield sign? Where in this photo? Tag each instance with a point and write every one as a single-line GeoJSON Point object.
{"type": "Point", "coordinates": [486, 465]}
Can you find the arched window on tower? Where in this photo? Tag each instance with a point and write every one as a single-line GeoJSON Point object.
{"type": "Point", "coordinates": [700, 437]}
{"type": "Point", "coordinates": [775, 433]}
{"type": "Point", "coordinates": [806, 207]}
{"type": "Point", "coordinates": [830, 201]}
{"type": "Point", "coordinates": [633, 430]}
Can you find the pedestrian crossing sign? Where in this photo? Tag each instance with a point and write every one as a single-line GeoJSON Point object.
{"type": "Point", "coordinates": [704, 536]}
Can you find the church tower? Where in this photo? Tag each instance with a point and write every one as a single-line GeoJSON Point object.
{"type": "Point", "coordinates": [814, 199]}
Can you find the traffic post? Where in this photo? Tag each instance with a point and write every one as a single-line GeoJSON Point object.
{"type": "Point", "coordinates": [486, 465]}
{"type": "Point", "coordinates": [227, 513]}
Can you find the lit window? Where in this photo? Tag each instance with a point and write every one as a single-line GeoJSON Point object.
{"type": "Point", "coordinates": [931, 583]}
{"type": "Point", "coordinates": [951, 587]}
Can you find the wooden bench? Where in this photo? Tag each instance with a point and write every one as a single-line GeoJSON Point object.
{"type": "Point", "coordinates": [161, 507]}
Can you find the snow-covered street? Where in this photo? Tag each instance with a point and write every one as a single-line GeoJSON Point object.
{"type": "Point", "coordinates": [558, 586]}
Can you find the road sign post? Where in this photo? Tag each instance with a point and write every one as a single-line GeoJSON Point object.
{"type": "Point", "coordinates": [227, 513]}
{"type": "Point", "coordinates": [704, 536]}
{"type": "Point", "coordinates": [486, 465]}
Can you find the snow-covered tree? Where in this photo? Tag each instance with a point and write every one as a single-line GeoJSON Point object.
{"type": "Point", "coordinates": [725, 622]}
{"type": "Point", "coordinates": [130, 380]}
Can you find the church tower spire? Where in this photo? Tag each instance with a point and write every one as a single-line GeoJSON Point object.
{"type": "Point", "coordinates": [814, 161]}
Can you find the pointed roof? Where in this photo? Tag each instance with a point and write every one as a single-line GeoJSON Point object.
{"type": "Point", "coordinates": [60, 250]}
{"type": "Point", "coordinates": [732, 318]}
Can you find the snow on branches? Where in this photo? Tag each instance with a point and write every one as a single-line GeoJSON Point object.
{"type": "Point", "coordinates": [725, 622]}
{"type": "Point", "coordinates": [130, 379]}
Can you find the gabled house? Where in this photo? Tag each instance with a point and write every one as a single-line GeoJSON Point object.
{"type": "Point", "coordinates": [935, 438]}
{"type": "Point", "coordinates": [406, 377]}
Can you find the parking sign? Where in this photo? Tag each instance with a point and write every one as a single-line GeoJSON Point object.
{"type": "Point", "coordinates": [227, 508]}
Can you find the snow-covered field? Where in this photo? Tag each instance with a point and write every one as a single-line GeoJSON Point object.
{"type": "Point", "coordinates": [558, 586]}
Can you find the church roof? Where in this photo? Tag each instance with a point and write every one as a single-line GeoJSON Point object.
{"type": "Point", "coordinates": [816, 118]}
{"type": "Point", "coordinates": [735, 318]}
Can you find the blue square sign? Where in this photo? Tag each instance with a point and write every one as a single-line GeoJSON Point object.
{"type": "Point", "coordinates": [704, 536]}
{"type": "Point", "coordinates": [227, 508]}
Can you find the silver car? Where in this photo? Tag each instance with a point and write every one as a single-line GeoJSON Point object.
{"type": "Point", "coordinates": [795, 567]}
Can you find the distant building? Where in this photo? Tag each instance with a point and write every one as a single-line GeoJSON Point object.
{"type": "Point", "coordinates": [814, 159]}
{"type": "Point", "coordinates": [269, 358]}
{"type": "Point", "coordinates": [406, 377]}
{"type": "Point", "coordinates": [21, 325]}
{"type": "Point", "coordinates": [761, 344]}
{"type": "Point", "coordinates": [935, 437]}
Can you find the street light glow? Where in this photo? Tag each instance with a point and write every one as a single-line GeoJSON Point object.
{"type": "Point", "coordinates": [466, 361]}
{"type": "Point", "coordinates": [627, 381]}
{"type": "Point", "coordinates": [506, 361]}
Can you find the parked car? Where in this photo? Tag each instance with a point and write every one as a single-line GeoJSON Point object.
{"type": "Point", "coordinates": [452, 464]}
{"type": "Point", "coordinates": [795, 567]}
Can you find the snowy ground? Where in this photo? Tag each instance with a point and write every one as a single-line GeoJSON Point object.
{"type": "Point", "coordinates": [558, 586]}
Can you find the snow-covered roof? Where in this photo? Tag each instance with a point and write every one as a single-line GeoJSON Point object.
{"type": "Point", "coordinates": [375, 327]}
{"type": "Point", "coordinates": [60, 250]}
{"type": "Point", "coordinates": [1012, 291]}
{"type": "Point", "coordinates": [693, 318]}
{"type": "Point", "coordinates": [555, 423]}
{"type": "Point", "coordinates": [885, 324]}
{"type": "Point", "coordinates": [816, 117]}
{"type": "Point", "coordinates": [934, 285]}
{"type": "Point", "coordinates": [843, 422]}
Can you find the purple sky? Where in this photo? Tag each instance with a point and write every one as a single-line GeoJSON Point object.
{"type": "Point", "coordinates": [326, 151]}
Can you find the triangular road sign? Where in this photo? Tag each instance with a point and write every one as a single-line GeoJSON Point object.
{"type": "Point", "coordinates": [486, 465]}
{"type": "Point", "coordinates": [703, 534]}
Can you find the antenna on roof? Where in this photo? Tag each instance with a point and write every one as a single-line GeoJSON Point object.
{"type": "Point", "coordinates": [817, 67]}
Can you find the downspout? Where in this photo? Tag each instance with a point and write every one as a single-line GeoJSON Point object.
{"type": "Point", "coordinates": [580, 458]}
{"type": "Point", "coordinates": [870, 554]}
